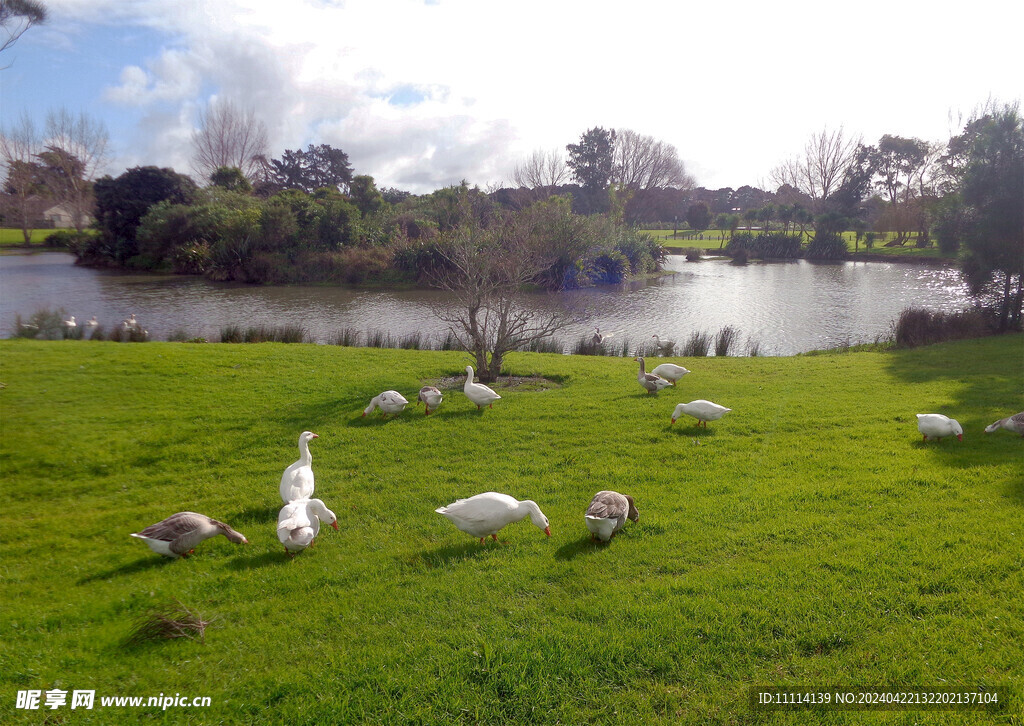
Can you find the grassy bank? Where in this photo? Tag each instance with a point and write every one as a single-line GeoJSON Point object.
{"type": "Point", "coordinates": [15, 238]}
{"type": "Point", "coordinates": [714, 239]}
{"type": "Point", "coordinates": [807, 538]}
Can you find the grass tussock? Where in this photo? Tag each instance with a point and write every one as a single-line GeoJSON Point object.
{"type": "Point", "coordinates": [289, 333]}
{"type": "Point", "coordinates": [698, 344]}
{"type": "Point", "coordinates": [169, 621]}
{"type": "Point", "coordinates": [917, 326]}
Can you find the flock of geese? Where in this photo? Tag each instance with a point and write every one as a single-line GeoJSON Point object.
{"type": "Point", "coordinates": [483, 515]}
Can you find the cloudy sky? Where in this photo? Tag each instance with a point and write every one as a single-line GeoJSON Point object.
{"type": "Point", "coordinates": [422, 94]}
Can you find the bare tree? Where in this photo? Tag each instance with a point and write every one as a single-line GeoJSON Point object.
{"type": "Point", "coordinates": [228, 136]}
{"type": "Point", "coordinates": [76, 151]}
{"type": "Point", "coordinates": [23, 185]}
{"type": "Point", "coordinates": [17, 16]}
{"type": "Point", "coordinates": [541, 169]}
{"type": "Point", "coordinates": [641, 163]}
{"type": "Point", "coordinates": [827, 159]}
{"type": "Point", "coordinates": [485, 271]}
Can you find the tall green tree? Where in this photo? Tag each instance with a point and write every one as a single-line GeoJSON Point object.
{"type": "Point", "coordinates": [315, 168]}
{"type": "Point", "coordinates": [986, 166]}
{"type": "Point", "coordinates": [121, 203]}
{"type": "Point", "coordinates": [592, 160]}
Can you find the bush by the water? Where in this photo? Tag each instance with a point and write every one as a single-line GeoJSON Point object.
{"type": "Point", "coordinates": [827, 246]}
{"type": "Point", "coordinates": [917, 326]}
{"type": "Point", "coordinates": [769, 245]}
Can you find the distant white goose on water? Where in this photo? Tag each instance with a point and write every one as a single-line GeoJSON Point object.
{"type": "Point", "coordinates": [478, 393]}
{"type": "Point", "coordinates": [388, 402]}
{"type": "Point", "coordinates": [670, 372]}
{"type": "Point", "coordinates": [131, 323]}
{"type": "Point", "coordinates": [938, 426]}
{"type": "Point", "coordinates": [70, 322]}
{"type": "Point", "coordinates": [93, 322]}
{"type": "Point", "coordinates": [179, 534]}
{"type": "Point", "coordinates": [1014, 423]}
{"type": "Point", "coordinates": [297, 482]}
{"type": "Point", "coordinates": [653, 383]}
{"type": "Point", "coordinates": [701, 410]}
{"type": "Point", "coordinates": [607, 512]}
{"type": "Point", "coordinates": [665, 346]}
{"type": "Point", "coordinates": [431, 398]}
{"type": "Point", "coordinates": [485, 514]}
{"type": "Point", "coordinates": [598, 338]}
{"type": "Point", "coordinates": [298, 523]}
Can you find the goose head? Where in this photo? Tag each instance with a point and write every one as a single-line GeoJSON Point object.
{"type": "Point", "coordinates": [305, 437]}
{"type": "Point", "coordinates": [633, 513]}
{"type": "Point", "coordinates": [678, 411]}
{"type": "Point", "coordinates": [537, 516]}
{"type": "Point", "coordinates": [317, 507]}
{"type": "Point", "coordinates": [232, 534]}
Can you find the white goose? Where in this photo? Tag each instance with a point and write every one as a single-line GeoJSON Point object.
{"type": "Point", "coordinates": [478, 393]}
{"type": "Point", "coordinates": [607, 512]}
{"type": "Point", "coordinates": [297, 481]}
{"type": "Point", "coordinates": [598, 339]}
{"type": "Point", "coordinates": [179, 534]}
{"type": "Point", "coordinates": [670, 372]}
{"type": "Point", "coordinates": [938, 426]}
{"type": "Point", "coordinates": [665, 346]}
{"type": "Point", "coordinates": [298, 523]}
{"type": "Point", "coordinates": [70, 322]}
{"type": "Point", "coordinates": [1014, 423]}
{"type": "Point", "coordinates": [431, 398]}
{"type": "Point", "coordinates": [701, 410]}
{"type": "Point", "coordinates": [485, 514]}
{"type": "Point", "coordinates": [653, 383]}
{"type": "Point", "coordinates": [388, 401]}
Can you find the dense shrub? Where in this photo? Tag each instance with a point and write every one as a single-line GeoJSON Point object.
{"type": "Point", "coordinates": [770, 245]}
{"type": "Point", "coordinates": [916, 326]}
{"type": "Point", "coordinates": [641, 249]}
{"type": "Point", "coordinates": [610, 268]}
{"type": "Point", "coordinates": [827, 246]}
{"type": "Point", "coordinates": [68, 238]}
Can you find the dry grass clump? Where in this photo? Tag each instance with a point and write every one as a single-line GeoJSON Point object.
{"type": "Point", "coordinates": [166, 622]}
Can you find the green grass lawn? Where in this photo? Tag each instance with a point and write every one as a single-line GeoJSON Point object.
{"type": "Point", "coordinates": [15, 237]}
{"type": "Point", "coordinates": [712, 240]}
{"type": "Point", "coordinates": [808, 538]}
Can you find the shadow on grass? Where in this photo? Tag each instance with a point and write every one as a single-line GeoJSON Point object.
{"type": "Point", "coordinates": [140, 565]}
{"type": "Point", "coordinates": [273, 557]}
{"type": "Point", "coordinates": [444, 556]}
{"type": "Point", "coordinates": [256, 515]}
{"type": "Point", "coordinates": [582, 546]}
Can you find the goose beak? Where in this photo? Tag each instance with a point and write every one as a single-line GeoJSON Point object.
{"type": "Point", "coordinates": [547, 531]}
{"type": "Point", "coordinates": [364, 414]}
{"type": "Point", "coordinates": [673, 420]}
{"type": "Point", "coordinates": [959, 437]}
{"type": "Point", "coordinates": [245, 541]}
{"type": "Point", "coordinates": [316, 436]}
{"type": "Point", "coordinates": [335, 525]}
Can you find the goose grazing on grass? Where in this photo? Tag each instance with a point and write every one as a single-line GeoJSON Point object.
{"type": "Point", "coordinates": [607, 512]}
{"type": "Point", "coordinates": [431, 398]}
{"type": "Point", "coordinates": [389, 402]}
{"type": "Point", "coordinates": [297, 480]}
{"type": "Point", "coordinates": [478, 393]}
{"type": "Point", "coordinates": [665, 346]}
{"type": "Point", "coordinates": [298, 523]}
{"type": "Point", "coordinates": [653, 383]}
{"type": "Point", "coordinates": [670, 372]}
{"type": "Point", "coordinates": [938, 426]}
{"type": "Point", "coordinates": [485, 514]}
{"type": "Point", "coordinates": [1014, 423]}
{"type": "Point", "coordinates": [701, 410]}
{"type": "Point", "coordinates": [181, 533]}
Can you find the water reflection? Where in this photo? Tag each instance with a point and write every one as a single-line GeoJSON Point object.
{"type": "Point", "coordinates": [786, 306]}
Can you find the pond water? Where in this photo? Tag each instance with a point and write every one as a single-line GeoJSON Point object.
{"type": "Point", "coordinates": [786, 307]}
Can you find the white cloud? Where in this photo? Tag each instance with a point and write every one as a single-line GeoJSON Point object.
{"type": "Point", "coordinates": [473, 86]}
